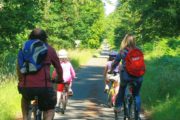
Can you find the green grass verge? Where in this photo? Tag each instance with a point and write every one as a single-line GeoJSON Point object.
{"type": "Point", "coordinates": [10, 101]}
{"type": "Point", "coordinates": [168, 110]}
{"type": "Point", "coordinates": [161, 86]}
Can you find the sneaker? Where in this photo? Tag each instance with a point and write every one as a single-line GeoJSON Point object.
{"type": "Point", "coordinates": [57, 109]}
{"type": "Point", "coordinates": [106, 89]}
{"type": "Point", "coordinates": [70, 92]}
{"type": "Point", "coordinates": [117, 109]}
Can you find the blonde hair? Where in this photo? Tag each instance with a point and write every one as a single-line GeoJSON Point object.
{"type": "Point", "coordinates": [128, 41]}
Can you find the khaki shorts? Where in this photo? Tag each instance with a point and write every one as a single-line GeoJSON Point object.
{"type": "Point", "coordinates": [113, 77]}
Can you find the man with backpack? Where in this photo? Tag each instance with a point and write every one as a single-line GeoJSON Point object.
{"type": "Point", "coordinates": [133, 69]}
{"type": "Point", "coordinates": [33, 70]}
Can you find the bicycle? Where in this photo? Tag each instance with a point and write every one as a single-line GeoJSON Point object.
{"type": "Point", "coordinates": [34, 111]}
{"type": "Point", "coordinates": [111, 92]}
{"type": "Point", "coordinates": [64, 99]}
{"type": "Point", "coordinates": [129, 104]}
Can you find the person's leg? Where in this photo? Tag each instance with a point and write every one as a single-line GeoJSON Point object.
{"type": "Point", "coordinates": [48, 115]}
{"type": "Point", "coordinates": [60, 88]}
{"type": "Point", "coordinates": [116, 89]}
{"type": "Point", "coordinates": [47, 103]}
{"type": "Point", "coordinates": [121, 92]}
{"type": "Point", "coordinates": [70, 91]}
{"type": "Point", "coordinates": [106, 85]}
{"type": "Point", "coordinates": [136, 92]}
{"type": "Point", "coordinates": [58, 98]}
{"type": "Point", "coordinates": [24, 107]}
{"type": "Point", "coordinates": [120, 95]}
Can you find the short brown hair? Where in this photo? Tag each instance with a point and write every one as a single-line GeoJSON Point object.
{"type": "Point", "coordinates": [38, 33]}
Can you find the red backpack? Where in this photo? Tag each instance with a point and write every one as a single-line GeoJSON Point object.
{"type": "Point", "coordinates": [135, 65]}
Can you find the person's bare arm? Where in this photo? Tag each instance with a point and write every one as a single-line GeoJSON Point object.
{"type": "Point", "coordinates": [19, 75]}
{"type": "Point", "coordinates": [105, 71]}
{"type": "Point", "coordinates": [57, 65]}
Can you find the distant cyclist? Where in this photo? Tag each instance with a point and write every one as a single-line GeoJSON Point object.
{"type": "Point", "coordinates": [127, 45]}
{"type": "Point", "coordinates": [114, 75]}
{"type": "Point", "coordinates": [38, 83]}
{"type": "Point", "coordinates": [68, 74]}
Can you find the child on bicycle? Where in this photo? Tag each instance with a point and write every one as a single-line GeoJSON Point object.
{"type": "Point", "coordinates": [68, 74]}
{"type": "Point", "coordinates": [114, 75]}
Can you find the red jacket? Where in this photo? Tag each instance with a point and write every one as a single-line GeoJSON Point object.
{"type": "Point", "coordinates": [42, 77]}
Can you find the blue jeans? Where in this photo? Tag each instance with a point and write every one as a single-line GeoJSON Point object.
{"type": "Point", "coordinates": [125, 79]}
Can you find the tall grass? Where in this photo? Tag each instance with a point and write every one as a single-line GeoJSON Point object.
{"type": "Point", "coordinates": [7, 63]}
{"type": "Point", "coordinates": [10, 100]}
{"type": "Point", "coordinates": [161, 86]}
{"type": "Point", "coordinates": [168, 110]}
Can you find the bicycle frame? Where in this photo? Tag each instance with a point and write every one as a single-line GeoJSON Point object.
{"type": "Point", "coordinates": [130, 108]}
{"type": "Point", "coordinates": [110, 94]}
{"type": "Point", "coordinates": [64, 98]}
{"type": "Point", "coordinates": [34, 111]}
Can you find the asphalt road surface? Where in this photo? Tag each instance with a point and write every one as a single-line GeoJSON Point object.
{"type": "Point", "coordinates": [89, 100]}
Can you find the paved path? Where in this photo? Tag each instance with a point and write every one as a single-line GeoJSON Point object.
{"type": "Point", "coordinates": [89, 101]}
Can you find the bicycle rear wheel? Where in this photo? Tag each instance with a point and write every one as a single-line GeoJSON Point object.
{"type": "Point", "coordinates": [38, 115]}
{"type": "Point", "coordinates": [64, 102]}
{"type": "Point", "coordinates": [131, 112]}
{"type": "Point", "coordinates": [126, 108]}
{"type": "Point", "coordinates": [132, 108]}
{"type": "Point", "coordinates": [34, 113]}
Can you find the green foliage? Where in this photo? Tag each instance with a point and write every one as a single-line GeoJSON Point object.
{"type": "Point", "coordinates": [148, 19]}
{"type": "Point", "coordinates": [161, 86]}
{"type": "Point", "coordinates": [64, 21]}
{"type": "Point", "coordinates": [7, 69]}
{"type": "Point", "coordinates": [167, 110]}
{"type": "Point", "coordinates": [16, 16]}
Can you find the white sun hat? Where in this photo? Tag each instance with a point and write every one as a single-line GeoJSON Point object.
{"type": "Point", "coordinates": [62, 53]}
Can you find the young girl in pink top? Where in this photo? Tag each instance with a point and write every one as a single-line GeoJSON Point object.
{"type": "Point", "coordinates": [115, 75]}
{"type": "Point", "coordinates": [68, 74]}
